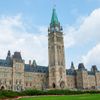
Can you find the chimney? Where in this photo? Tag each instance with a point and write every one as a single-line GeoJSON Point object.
{"type": "Point", "coordinates": [30, 62]}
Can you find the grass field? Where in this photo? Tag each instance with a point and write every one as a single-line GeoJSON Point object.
{"type": "Point", "coordinates": [76, 97]}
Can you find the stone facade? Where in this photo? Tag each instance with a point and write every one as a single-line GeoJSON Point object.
{"type": "Point", "coordinates": [16, 75]}
{"type": "Point", "coordinates": [57, 72]}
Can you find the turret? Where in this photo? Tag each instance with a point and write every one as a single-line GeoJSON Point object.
{"type": "Point", "coordinates": [72, 66]}
{"type": "Point", "coordinates": [81, 67]}
{"type": "Point", "coordinates": [34, 63]}
{"type": "Point", "coordinates": [9, 58]}
{"type": "Point", "coordinates": [94, 69]}
{"type": "Point", "coordinates": [18, 68]}
{"type": "Point", "coordinates": [82, 77]}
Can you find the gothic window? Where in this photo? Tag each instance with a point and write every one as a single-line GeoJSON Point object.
{"type": "Point", "coordinates": [52, 39]}
{"type": "Point", "coordinates": [10, 82]}
{"type": "Point", "coordinates": [59, 34]}
{"type": "Point", "coordinates": [5, 81]}
{"type": "Point", "coordinates": [60, 71]}
{"type": "Point", "coordinates": [26, 84]}
{"type": "Point", "coordinates": [52, 56]}
{"type": "Point", "coordinates": [53, 85]}
{"type": "Point", "coordinates": [59, 39]}
{"type": "Point", "coordinates": [20, 82]}
{"type": "Point", "coordinates": [58, 50]}
{"type": "Point", "coordinates": [16, 65]}
{"type": "Point", "coordinates": [62, 84]}
{"type": "Point", "coordinates": [16, 81]}
{"type": "Point", "coordinates": [30, 84]}
{"type": "Point", "coordinates": [53, 72]}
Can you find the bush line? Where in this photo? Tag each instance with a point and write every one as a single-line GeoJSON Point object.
{"type": "Point", "coordinates": [12, 94]}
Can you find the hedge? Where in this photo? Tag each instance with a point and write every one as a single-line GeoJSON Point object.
{"type": "Point", "coordinates": [11, 94]}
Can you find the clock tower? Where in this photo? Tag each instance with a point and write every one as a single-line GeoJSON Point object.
{"type": "Point", "coordinates": [57, 71]}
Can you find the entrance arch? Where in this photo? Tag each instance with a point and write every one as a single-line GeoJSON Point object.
{"type": "Point", "coordinates": [53, 85]}
{"type": "Point", "coordinates": [2, 88]}
{"type": "Point", "coordinates": [62, 85]}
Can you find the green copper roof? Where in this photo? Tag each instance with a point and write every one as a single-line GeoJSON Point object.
{"type": "Point", "coordinates": [54, 19]}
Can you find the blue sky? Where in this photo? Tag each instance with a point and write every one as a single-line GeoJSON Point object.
{"type": "Point", "coordinates": [36, 8]}
{"type": "Point", "coordinates": [40, 11]}
{"type": "Point", "coordinates": [24, 23]}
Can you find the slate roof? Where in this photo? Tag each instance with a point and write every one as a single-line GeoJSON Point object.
{"type": "Point", "coordinates": [17, 56]}
{"type": "Point", "coordinates": [70, 72]}
{"type": "Point", "coordinates": [39, 69]}
{"type": "Point", "coordinates": [5, 63]}
{"type": "Point", "coordinates": [27, 67]}
{"type": "Point", "coordinates": [81, 67]}
{"type": "Point", "coordinates": [91, 73]}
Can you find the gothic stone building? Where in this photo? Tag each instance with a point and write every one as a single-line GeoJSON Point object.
{"type": "Point", "coordinates": [16, 75]}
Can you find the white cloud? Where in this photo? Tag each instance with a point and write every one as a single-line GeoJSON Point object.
{"type": "Point", "coordinates": [92, 57]}
{"type": "Point", "coordinates": [68, 40]}
{"type": "Point", "coordinates": [14, 37]}
{"type": "Point", "coordinates": [87, 32]}
{"type": "Point", "coordinates": [89, 28]}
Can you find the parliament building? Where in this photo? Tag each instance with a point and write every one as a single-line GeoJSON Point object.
{"type": "Point", "coordinates": [17, 76]}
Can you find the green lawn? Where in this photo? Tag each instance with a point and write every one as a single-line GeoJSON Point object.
{"type": "Point", "coordinates": [76, 97]}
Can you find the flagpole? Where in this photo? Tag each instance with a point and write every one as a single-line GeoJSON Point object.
{"type": "Point", "coordinates": [54, 4]}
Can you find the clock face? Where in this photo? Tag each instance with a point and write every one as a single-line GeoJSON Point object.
{"type": "Point", "coordinates": [57, 29]}
{"type": "Point", "coordinates": [52, 29]}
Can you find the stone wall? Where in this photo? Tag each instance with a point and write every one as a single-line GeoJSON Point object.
{"type": "Point", "coordinates": [97, 76]}
{"type": "Point", "coordinates": [71, 81]}
{"type": "Point", "coordinates": [91, 81]}
{"type": "Point", "coordinates": [35, 80]}
{"type": "Point", "coordinates": [18, 75]}
{"type": "Point", "coordinates": [5, 78]}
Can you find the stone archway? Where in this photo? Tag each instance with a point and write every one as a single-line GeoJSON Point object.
{"type": "Point", "coordinates": [62, 85]}
{"type": "Point", "coordinates": [53, 85]}
{"type": "Point", "coordinates": [2, 88]}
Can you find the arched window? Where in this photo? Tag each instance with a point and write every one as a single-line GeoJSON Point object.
{"type": "Point", "coordinates": [26, 84]}
{"type": "Point", "coordinates": [53, 85]}
{"type": "Point", "coordinates": [53, 72]}
{"type": "Point", "coordinates": [61, 71]}
{"type": "Point", "coordinates": [62, 85]}
{"type": "Point", "coordinates": [2, 87]}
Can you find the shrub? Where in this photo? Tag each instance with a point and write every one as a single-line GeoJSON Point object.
{"type": "Point", "coordinates": [31, 92]}
{"type": "Point", "coordinates": [11, 94]}
{"type": "Point", "coordinates": [8, 94]}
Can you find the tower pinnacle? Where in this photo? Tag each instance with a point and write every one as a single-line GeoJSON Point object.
{"type": "Point", "coordinates": [54, 19]}
{"type": "Point", "coordinates": [54, 24]}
